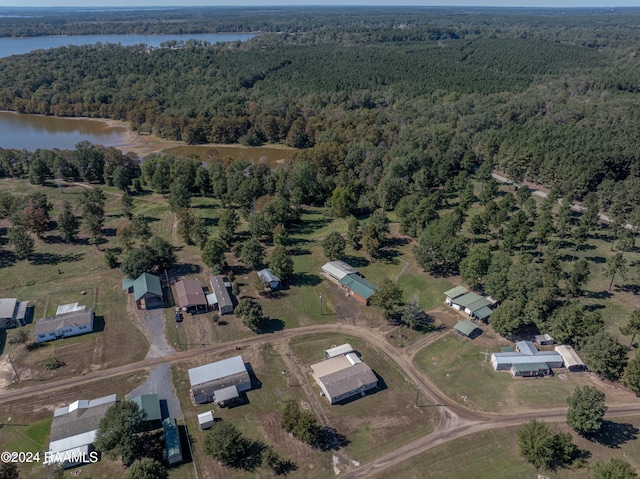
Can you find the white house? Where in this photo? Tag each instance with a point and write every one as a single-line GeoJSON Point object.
{"type": "Point", "coordinates": [64, 325]}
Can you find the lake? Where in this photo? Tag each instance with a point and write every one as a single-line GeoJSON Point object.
{"type": "Point", "coordinates": [17, 46]}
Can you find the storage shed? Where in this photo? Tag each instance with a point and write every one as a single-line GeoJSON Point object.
{"type": "Point", "coordinates": [219, 289]}
{"type": "Point", "coordinates": [336, 270]}
{"type": "Point", "coordinates": [338, 350]}
{"type": "Point", "coordinates": [466, 328]}
{"type": "Point", "coordinates": [268, 278]}
{"type": "Point", "coordinates": [571, 359]}
{"type": "Point", "coordinates": [147, 291]}
{"type": "Point", "coordinates": [150, 404]}
{"type": "Point", "coordinates": [454, 293]}
{"type": "Point", "coordinates": [12, 312]}
{"type": "Point", "coordinates": [205, 420]}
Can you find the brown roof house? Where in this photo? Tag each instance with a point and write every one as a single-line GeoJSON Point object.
{"type": "Point", "coordinates": [64, 325]}
{"type": "Point", "coordinates": [191, 296]}
{"type": "Point", "coordinates": [343, 376]}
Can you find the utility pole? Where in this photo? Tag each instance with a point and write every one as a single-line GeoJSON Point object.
{"type": "Point", "coordinates": [320, 304]}
{"type": "Point", "coordinates": [13, 366]}
{"type": "Point", "coordinates": [417, 394]}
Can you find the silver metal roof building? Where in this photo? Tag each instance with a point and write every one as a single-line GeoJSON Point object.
{"type": "Point", "coordinates": [12, 312]}
{"type": "Point", "coordinates": [571, 359]}
{"type": "Point", "coordinates": [218, 287]}
{"type": "Point", "coordinates": [338, 269]}
{"type": "Point", "coordinates": [338, 350]}
{"type": "Point", "coordinates": [220, 381]}
{"type": "Point", "coordinates": [527, 354]}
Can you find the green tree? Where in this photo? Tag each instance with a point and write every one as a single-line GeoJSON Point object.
{"type": "Point", "coordinates": [632, 328]}
{"type": "Point", "coordinates": [632, 375]}
{"type": "Point", "coordinates": [412, 314]}
{"type": "Point", "coordinates": [122, 178]}
{"type": "Point", "coordinates": [281, 263]}
{"type": "Point", "coordinates": [213, 254]}
{"type": "Point", "coordinates": [226, 444]}
{"type": "Point", "coordinates": [38, 171]}
{"type": "Point", "coordinates": [9, 470]}
{"type": "Point", "coordinates": [147, 468]}
{"type": "Point", "coordinates": [342, 202]}
{"type": "Point", "coordinates": [121, 432]}
{"type": "Point", "coordinates": [92, 203]}
{"type": "Point", "coordinates": [572, 322]}
{"type": "Point", "coordinates": [252, 253]}
{"type": "Point", "coordinates": [354, 234]}
{"type": "Point", "coordinates": [578, 277]}
{"type": "Point", "coordinates": [496, 281]}
{"type": "Point", "coordinates": [228, 224]}
{"type": "Point", "coordinates": [586, 410]}
{"type": "Point", "coordinates": [508, 318]}
{"type": "Point", "coordinates": [616, 265]}
{"type": "Point", "coordinates": [252, 314]}
{"type": "Point", "coordinates": [476, 265]}
{"type": "Point", "coordinates": [604, 355]}
{"type": "Point", "coordinates": [614, 469]}
{"type": "Point", "coordinates": [387, 298]}
{"type": "Point", "coordinates": [68, 223]}
{"type": "Point", "coordinates": [302, 424]}
{"type": "Point", "coordinates": [137, 261]}
{"type": "Point", "coordinates": [543, 449]}
{"type": "Point", "coordinates": [164, 253]}
{"type": "Point", "coordinates": [126, 203]}
{"type": "Point", "coordinates": [180, 192]}
{"type": "Point", "coordinates": [22, 242]}
{"type": "Point", "coordinates": [333, 246]}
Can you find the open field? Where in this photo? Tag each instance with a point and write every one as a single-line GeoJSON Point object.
{"type": "Point", "coordinates": [495, 455]}
{"type": "Point", "coordinates": [461, 368]}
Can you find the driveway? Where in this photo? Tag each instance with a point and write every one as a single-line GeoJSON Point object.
{"type": "Point", "coordinates": [153, 322]}
{"type": "Point", "coordinates": [160, 382]}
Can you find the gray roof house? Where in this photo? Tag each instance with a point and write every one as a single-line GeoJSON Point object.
{"type": "Point", "coordinates": [267, 277]}
{"type": "Point", "coordinates": [64, 325]}
{"type": "Point", "coordinates": [12, 312]}
{"type": "Point", "coordinates": [344, 376]}
{"type": "Point", "coordinates": [74, 429]}
{"type": "Point", "coordinates": [221, 382]}
{"type": "Point", "coordinates": [527, 360]}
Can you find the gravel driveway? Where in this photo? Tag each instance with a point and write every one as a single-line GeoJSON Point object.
{"type": "Point", "coordinates": [160, 382]}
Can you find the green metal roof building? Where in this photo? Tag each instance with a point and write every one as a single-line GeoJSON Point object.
{"type": "Point", "coordinates": [150, 404]}
{"type": "Point", "coordinates": [172, 441]}
{"type": "Point", "coordinates": [146, 289]}
{"type": "Point", "coordinates": [358, 287]}
{"type": "Point", "coordinates": [465, 327]}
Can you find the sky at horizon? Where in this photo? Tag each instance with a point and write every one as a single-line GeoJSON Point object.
{"type": "Point", "coordinates": [266, 3]}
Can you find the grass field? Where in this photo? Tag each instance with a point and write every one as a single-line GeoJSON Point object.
{"type": "Point", "coordinates": [495, 455]}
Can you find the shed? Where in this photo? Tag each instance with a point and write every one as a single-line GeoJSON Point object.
{"type": "Point", "coordinates": [191, 296]}
{"type": "Point", "coordinates": [338, 350]}
{"type": "Point", "coordinates": [219, 288]}
{"type": "Point", "coordinates": [454, 293]}
{"type": "Point", "coordinates": [470, 303]}
{"type": "Point", "coordinates": [466, 328]}
{"type": "Point", "coordinates": [12, 312]}
{"type": "Point", "coordinates": [173, 448]}
{"type": "Point", "coordinates": [358, 287]}
{"type": "Point", "coordinates": [530, 369]}
{"type": "Point", "coordinates": [150, 404]}
{"type": "Point", "coordinates": [205, 420]}
{"type": "Point", "coordinates": [267, 277]}
{"type": "Point", "coordinates": [483, 313]}
{"type": "Point", "coordinates": [147, 291]}
{"type": "Point", "coordinates": [571, 359]}
{"type": "Point", "coordinates": [544, 339]}
{"type": "Point", "coordinates": [336, 270]}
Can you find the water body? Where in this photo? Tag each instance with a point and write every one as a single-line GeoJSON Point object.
{"type": "Point", "coordinates": [17, 46]}
{"type": "Point", "coordinates": [31, 132]}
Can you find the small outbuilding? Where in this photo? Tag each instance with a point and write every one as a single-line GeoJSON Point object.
{"type": "Point", "coordinates": [571, 359]}
{"type": "Point", "coordinates": [191, 296]}
{"type": "Point", "coordinates": [467, 328]}
{"type": "Point", "coordinates": [338, 350]}
{"type": "Point", "coordinates": [150, 404]}
{"type": "Point", "coordinates": [12, 312]}
{"type": "Point", "coordinates": [268, 278]}
{"type": "Point", "coordinates": [173, 448]}
{"type": "Point", "coordinates": [64, 325]}
{"type": "Point", "coordinates": [147, 291]}
{"type": "Point", "coordinates": [205, 420]}
{"type": "Point", "coordinates": [543, 339]}
{"type": "Point", "coordinates": [221, 294]}
{"type": "Point", "coordinates": [454, 293]}
{"type": "Point", "coordinates": [336, 270]}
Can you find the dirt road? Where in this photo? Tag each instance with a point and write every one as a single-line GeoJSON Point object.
{"type": "Point", "coordinates": [456, 420]}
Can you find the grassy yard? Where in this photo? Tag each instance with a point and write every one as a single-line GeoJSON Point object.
{"type": "Point", "coordinates": [461, 368]}
{"type": "Point", "coordinates": [495, 455]}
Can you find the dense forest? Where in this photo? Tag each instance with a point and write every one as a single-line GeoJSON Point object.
{"type": "Point", "coordinates": [409, 113]}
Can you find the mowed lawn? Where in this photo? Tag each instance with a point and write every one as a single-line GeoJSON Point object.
{"type": "Point", "coordinates": [461, 368]}
{"type": "Point", "coordinates": [495, 454]}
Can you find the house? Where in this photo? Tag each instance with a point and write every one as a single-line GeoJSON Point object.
{"type": "Point", "coordinates": [12, 312]}
{"type": "Point", "coordinates": [344, 376]}
{"type": "Point", "coordinates": [221, 293]}
{"type": "Point", "coordinates": [454, 293]}
{"type": "Point", "coordinates": [467, 328]}
{"type": "Point", "coordinates": [220, 382]}
{"type": "Point", "coordinates": [528, 361]}
{"type": "Point", "coordinates": [472, 304]}
{"type": "Point", "coordinates": [150, 404]}
{"type": "Point", "coordinates": [358, 287]}
{"type": "Point", "coordinates": [74, 428]}
{"type": "Point", "coordinates": [191, 296]}
{"type": "Point", "coordinates": [336, 270]}
{"type": "Point", "coordinates": [205, 420]}
{"type": "Point", "coordinates": [64, 325]}
{"type": "Point", "coordinates": [268, 278]}
{"type": "Point", "coordinates": [146, 289]}
{"type": "Point", "coordinates": [571, 359]}
{"type": "Point", "coordinates": [173, 448]}
{"type": "Point", "coordinates": [338, 350]}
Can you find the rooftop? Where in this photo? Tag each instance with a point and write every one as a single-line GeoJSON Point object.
{"type": "Point", "coordinates": [338, 269]}
{"type": "Point", "coordinates": [146, 283]}
{"type": "Point", "coordinates": [348, 379]}
{"type": "Point", "coordinates": [359, 285]}
{"type": "Point", "coordinates": [465, 327]}
{"type": "Point", "coordinates": [7, 307]}
{"type": "Point", "coordinates": [190, 293]}
{"type": "Point", "coordinates": [79, 417]}
{"type": "Point", "coordinates": [338, 350]}
{"type": "Point", "coordinates": [150, 404]}
{"type": "Point", "coordinates": [455, 292]}
{"type": "Point", "coordinates": [214, 371]}
{"type": "Point", "coordinates": [267, 275]}
{"type": "Point", "coordinates": [66, 320]}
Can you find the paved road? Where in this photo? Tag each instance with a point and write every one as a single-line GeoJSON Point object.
{"type": "Point", "coordinates": [456, 420]}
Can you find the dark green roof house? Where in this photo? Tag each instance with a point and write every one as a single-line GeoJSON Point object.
{"type": "Point", "coordinates": [172, 441]}
{"type": "Point", "coordinates": [146, 289]}
{"type": "Point", "coordinates": [358, 287]}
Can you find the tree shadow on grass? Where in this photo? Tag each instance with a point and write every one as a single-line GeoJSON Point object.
{"type": "Point", "coordinates": [7, 258]}
{"type": "Point", "coordinates": [615, 434]}
{"type": "Point", "coordinates": [597, 294]}
{"type": "Point", "coordinates": [596, 259]}
{"type": "Point", "coordinates": [306, 279]}
{"type": "Point", "coordinates": [55, 259]}
{"type": "Point", "coordinates": [357, 261]}
{"type": "Point", "coordinates": [311, 225]}
{"type": "Point", "coordinates": [630, 288]}
{"type": "Point", "coordinates": [272, 325]}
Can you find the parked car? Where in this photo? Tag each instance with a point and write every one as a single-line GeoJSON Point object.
{"type": "Point", "coordinates": [178, 317]}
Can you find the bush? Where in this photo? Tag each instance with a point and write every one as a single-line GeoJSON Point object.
{"type": "Point", "coordinates": [52, 363]}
